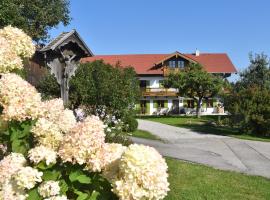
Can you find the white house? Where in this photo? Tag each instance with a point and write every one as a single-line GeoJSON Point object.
{"type": "Point", "coordinates": [153, 68]}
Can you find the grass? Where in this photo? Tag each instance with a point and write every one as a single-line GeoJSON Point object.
{"type": "Point", "coordinates": [144, 134]}
{"type": "Point", "coordinates": [197, 182]}
{"type": "Point", "coordinates": [202, 125]}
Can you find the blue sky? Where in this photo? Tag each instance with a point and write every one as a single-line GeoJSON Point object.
{"type": "Point", "coordinates": [236, 27]}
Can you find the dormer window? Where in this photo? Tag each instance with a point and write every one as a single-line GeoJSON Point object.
{"type": "Point", "coordinates": [177, 64]}
{"type": "Point", "coordinates": [172, 64]}
{"type": "Point", "coordinates": [180, 64]}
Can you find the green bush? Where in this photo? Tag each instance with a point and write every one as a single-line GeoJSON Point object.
{"type": "Point", "coordinates": [249, 99]}
{"type": "Point", "coordinates": [48, 87]}
{"type": "Point", "coordinates": [130, 122]}
{"type": "Point", "coordinates": [255, 111]}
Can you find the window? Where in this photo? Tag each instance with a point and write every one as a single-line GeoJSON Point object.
{"type": "Point", "coordinates": [144, 83]}
{"type": "Point", "coordinates": [190, 103]}
{"type": "Point", "coordinates": [180, 64]}
{"type": "Point", "coordinates": [160, 103]}
{"type": "Point", "coordinates": [172, 64]}
{"type": "Point", "coordinates": [209, 103]}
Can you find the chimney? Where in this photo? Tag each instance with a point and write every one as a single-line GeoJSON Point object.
{"type": "Point", "coordinates": [197, 52]}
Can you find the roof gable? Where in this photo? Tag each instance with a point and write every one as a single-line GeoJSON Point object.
{"type": "Point", "coordinates": [175, 54]}
{"type": "Point", "coordinates": [64, 38]}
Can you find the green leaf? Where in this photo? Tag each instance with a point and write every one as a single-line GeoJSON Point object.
{"type": "Point", "coordinates": [14, 135]}
{"type": "Point", "coordinates": [43, 166]}
{"type": "Point", "coordinates": [33, 195]}
{"type": "Point", "coordinates": [81, 195]}
{"type": "Point", "coordinates": [21, 130]}
{"type": "Point", "coordinates": [73, 175]}
{"type": "Point", "coordinates": [51, 175]}
{"type": "Point", "coordinates": [84, 179]}
{"type": "Point", "coordinates": [18, 147]}
{"type": "Point", "coordinates": [63, 186]}
{"type": "Point", "coordinates": [94, 195]}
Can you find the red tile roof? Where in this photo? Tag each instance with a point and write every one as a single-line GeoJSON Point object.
{"type": "Point", "coordinates": [143, 63]}
{"type": "Point", "coordinates": [214, 62]}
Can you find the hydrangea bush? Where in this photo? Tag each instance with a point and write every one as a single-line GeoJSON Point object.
{"type": "Point", "coordinates": [50, 155]}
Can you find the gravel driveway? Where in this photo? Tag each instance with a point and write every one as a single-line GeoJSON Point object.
{"type": "Point", "coordinates": [251, 157]}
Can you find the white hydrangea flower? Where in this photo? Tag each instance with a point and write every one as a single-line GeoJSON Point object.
{"type": "Point", "coordinates": [49, 188]}
{"type": "Point", "coordinates": [59, 197]}
{"type": "Point", "coordinates": [66, 120]}
{"type": "Point", "coordinates": [18, 41]}
{"type": "Point", "coordinates": [27, 177]}
{"type": "Point", "coordinates": [9, 165]}
{"type": "Point", "coordinates": [42, 153]}
{"type": "Point", "coordinates": [53, 109]}
{"type": "Point", "coordinates": [113, 154]}
{"type": "Point", "coordinates": [84, 143]}
{"type": "Point", "coordinates": [142, 174]}
{"type": "Point", "coordinates": [47, 133]}
{"type": "Point", "coordinates": [10, 191]}
{"type": "Point", "coordinates": [9, 61]}
{"type": "Point", "coordinates": [19, 99]}
{"type": "Point", "coordinates": [54, 112]}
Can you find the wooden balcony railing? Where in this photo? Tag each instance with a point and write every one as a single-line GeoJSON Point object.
{"type": "Point", "coordinates": [167, 71]}
{"type": "Point", "coordinates": [158, 92]}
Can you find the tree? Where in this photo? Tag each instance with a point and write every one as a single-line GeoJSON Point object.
{"type": "Point", "coordinates": [98, 84]}
{"type": "Point", "coordinates": [196, 83]}
{"type": "Point", "coordinates": [35, 17]}
{"type": "Point", "coordinates": [257, 73]}
{"type": "Point", "coordinates": [249, 99]}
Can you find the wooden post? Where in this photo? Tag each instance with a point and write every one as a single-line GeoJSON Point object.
{"type": "Point", "coordinates": [63, 71]}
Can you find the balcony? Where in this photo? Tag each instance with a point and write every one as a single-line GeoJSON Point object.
{"type": "Point", "coordinates": [167, 71]}
{"type": "Point", "coordinates": [159, 92]}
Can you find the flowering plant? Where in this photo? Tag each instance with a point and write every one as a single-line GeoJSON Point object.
{"type": "Point", "coordinates": [115, 128]}
{"type": "Point", "coordinates": [15, 45]}
{"type": "Point", "coordinates": [49, 155]}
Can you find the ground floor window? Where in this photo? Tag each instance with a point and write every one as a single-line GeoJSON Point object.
{"type": "Point", "coordinates": [190, 103]}
{"type": "Point", "coordinates": [159, 104]}
{"type": "Point", "coordinates": [144, 106]}
{"type": "Point", "coordinates": [209, 103]}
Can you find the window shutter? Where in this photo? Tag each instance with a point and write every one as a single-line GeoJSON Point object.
{"type": "Point", "coordinates": [148, 107]}
{"type": "Point", "coordinates": [166, 104]}
{"type": "Point", "coordinates": [155, 104]}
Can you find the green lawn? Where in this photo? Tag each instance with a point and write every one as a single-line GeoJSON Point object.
{"type": "Point", "coordinates": [144, 134]}
{"type": "Point", "coordinates": [197, 182]}
{"type": "Point", "coordinates": [201, 125]}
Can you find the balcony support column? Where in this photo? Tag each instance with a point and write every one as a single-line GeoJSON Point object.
{"type": "Point", "coordinates": [151, 106]}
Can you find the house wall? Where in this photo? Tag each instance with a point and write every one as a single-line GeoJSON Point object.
{"type": "Point", "coordinates": [152, 107]}
{"type": "Point", "coordinates": [154, 80]}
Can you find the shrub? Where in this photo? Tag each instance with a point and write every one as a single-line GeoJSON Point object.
{"type": "Point", "coordinates": [252, 111]}
{"type": "Point", "coordinates": [131, 124]}
{"type": "Point", "coordinates": [98, 84]}
{"type": "Point", "coordinates": [249, 99]}
{"type": "Point", "coordinates": [48, 87]}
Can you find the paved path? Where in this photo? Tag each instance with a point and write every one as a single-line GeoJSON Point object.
{"type": "Point", "coordinates": [221, 152]}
